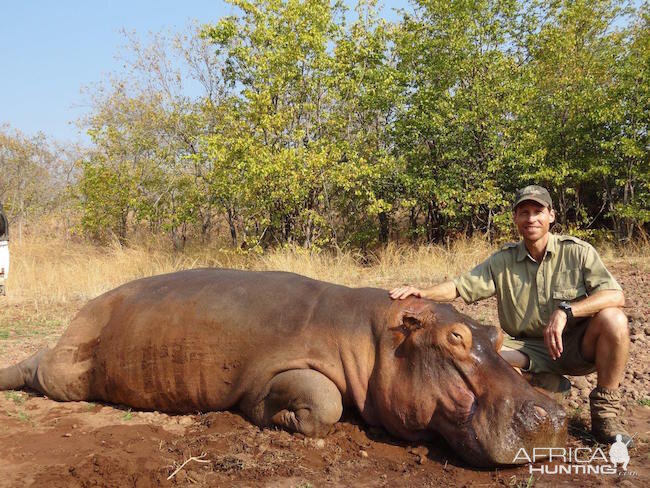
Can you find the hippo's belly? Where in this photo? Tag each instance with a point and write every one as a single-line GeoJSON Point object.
{"type": "Point", "coordinates": [170, 373]}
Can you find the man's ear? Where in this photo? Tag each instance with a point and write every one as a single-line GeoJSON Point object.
{"type": "Point", "coordinates": [551, 216]}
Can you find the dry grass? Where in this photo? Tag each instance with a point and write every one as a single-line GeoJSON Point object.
{"type": "Point", "coordinates": [49, 271]}
{"type": "Point", "coordinates": [51, 278]}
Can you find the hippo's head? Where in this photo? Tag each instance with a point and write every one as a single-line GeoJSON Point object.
{"type": "Point", "coordinates": [440, 372]}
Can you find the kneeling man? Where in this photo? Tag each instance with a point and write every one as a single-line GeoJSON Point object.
{"type": "Point", "coordinates": [558, 303]}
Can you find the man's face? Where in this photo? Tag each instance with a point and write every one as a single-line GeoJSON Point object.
{"type": "Point", "coordinates": [533, 220]}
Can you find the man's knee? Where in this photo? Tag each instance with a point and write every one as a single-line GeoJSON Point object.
{"type": "Point", "coordinates": [612, 323]}
{"type": "Point", "coordinates": [515, 358]}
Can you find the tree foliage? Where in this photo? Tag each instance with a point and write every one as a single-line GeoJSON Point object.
{"type": "Point", "coordinates": [34, 176]}
{"type": "Point", "coordinates": [313, 125]}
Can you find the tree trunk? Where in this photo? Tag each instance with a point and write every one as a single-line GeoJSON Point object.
{"type": "Point", "coordinates": [231, 224]}
{"type": "Point", "coordinates": [413, 223]}
{"type": "Point", "coordinates": [384, 222]}
{"type": "Point", "coordinates": [488, 227]}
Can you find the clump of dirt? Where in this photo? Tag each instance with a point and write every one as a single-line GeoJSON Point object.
{"type": "Point", "coordinates": [81, 444]}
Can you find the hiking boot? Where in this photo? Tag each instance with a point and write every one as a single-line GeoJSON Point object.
{"type": "Point", "coordinates": [553, 385]}
{"type": "Point", "coordinates": [606, 414]}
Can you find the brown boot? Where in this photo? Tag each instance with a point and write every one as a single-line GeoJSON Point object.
{"type": "Point", "coordinates": [606, 414]}
{"type": "Point", "coordinates": [553, 385]}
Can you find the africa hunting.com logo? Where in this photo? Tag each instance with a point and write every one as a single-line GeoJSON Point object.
{"type": "Point", "coordinates": [578, 460]}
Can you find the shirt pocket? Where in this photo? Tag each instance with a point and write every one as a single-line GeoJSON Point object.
{"type": "Point", "coordinates": [569, 294]}
{"type": "Point", "coordinates": [515, 283]}
{"type": "Point", "coordinates": [568, 286]}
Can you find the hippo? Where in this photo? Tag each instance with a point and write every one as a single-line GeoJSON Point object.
{"type": "Point", "coordinates": [291, 352]}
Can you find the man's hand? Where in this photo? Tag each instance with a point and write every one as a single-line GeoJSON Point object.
{"type": "Point", "coordinates": [553, 333]}
{"type": "Point", "coordinates": [442, 292]}
{"type": "Point", "coordinates": [402, 292]}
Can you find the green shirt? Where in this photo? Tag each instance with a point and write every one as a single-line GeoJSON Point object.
{"type": "Point", "coordinates": [528, 292]}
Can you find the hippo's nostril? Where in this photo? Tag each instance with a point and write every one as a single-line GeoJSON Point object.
{"type": "Point", "coordinates": [540, 411]}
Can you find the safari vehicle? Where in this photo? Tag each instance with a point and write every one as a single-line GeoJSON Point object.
{"type": "Point", "coordinates": [4, 250]}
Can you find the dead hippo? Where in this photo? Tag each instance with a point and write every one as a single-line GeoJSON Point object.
{"type": "Point", "coordinates": [290, 351]}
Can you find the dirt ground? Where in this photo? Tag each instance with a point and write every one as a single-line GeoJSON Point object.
{"type": "Point", "coordinates": [81, 444]}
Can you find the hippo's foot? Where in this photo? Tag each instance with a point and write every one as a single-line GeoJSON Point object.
{"type": "Point", "coordinates": [23, 374]}
{"type": "Point", "coordinates": [299, 400]}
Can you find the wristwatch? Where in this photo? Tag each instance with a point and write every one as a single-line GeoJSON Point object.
{"type": "Point", "coordinates": [566, 308]}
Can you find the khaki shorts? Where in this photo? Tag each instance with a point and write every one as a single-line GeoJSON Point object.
{"type": "Point", "coordinates": [570, 362]}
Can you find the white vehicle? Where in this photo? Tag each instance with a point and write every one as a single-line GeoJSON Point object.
{"type": "Point", "coordinates": [4, 251]}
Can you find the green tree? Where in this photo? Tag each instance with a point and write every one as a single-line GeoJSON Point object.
{"type": "Point", "coordinates": [627, 188]}
{"type": "Point", "coordinates": [461, 83]}
{"type": "Point", "coordinates": [316, 130]}
{"type": "Point", "coordinates": [365, 175]}
{"type": "Point", "coordinates": [277, 57]}
{"type": "Point", "coordinates": [30, 181]}
{"type": "Point", "coordinates": [573, 54]}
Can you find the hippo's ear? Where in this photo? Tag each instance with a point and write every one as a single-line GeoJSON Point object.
{"type": "Point", "coordinates": [414, 318]}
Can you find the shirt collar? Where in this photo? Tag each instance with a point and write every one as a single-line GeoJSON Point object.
{"type": "Point", "coordinates": [522, 252]}
{"type": "Point", "coordinates": [551, 247]}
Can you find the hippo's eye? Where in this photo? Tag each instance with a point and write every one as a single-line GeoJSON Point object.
{"type": "Point", "coordinates": [455, 338]}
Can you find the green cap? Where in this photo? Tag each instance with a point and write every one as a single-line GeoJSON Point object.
{"type": "Point", "coordinates": [535, 193]}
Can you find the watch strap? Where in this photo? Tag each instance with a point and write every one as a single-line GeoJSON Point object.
{"type": "Point", "coordinates": [566, 308]}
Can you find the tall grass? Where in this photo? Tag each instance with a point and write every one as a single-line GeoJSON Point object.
{"type": "Point", "coordinates": [47, 271]}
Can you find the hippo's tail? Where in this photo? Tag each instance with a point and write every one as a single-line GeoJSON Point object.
{"type": "Point", "coordinates": [22, 374]}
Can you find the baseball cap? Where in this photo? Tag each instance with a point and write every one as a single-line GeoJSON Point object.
{"type": "Point", "coordinates": [535, 193]}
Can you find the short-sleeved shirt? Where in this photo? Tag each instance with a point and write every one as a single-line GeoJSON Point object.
{"type": "Point", "coordinates": [529, 292]}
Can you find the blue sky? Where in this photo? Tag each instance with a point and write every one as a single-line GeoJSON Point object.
{"type": "Point", "coordinates": [50, 50]}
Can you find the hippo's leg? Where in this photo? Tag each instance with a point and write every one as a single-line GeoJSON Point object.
{"type": "Point", "coordinates": [22, 374]}
{"type": "Point", "coordinates": [53, 372]}
{"type": "Point", "coordinates": [300, 400]}
{"type": "Point", "coordinates": [64, 373]}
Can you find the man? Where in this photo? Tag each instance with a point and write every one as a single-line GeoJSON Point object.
{"type": "Point", "coordinates": [559, 304]}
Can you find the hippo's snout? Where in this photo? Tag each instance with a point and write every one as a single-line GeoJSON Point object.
{"type": "Point", "coordinates": [534, 423]}
{"type": "Point", "coordinates": [500, 427]}
{"type": "Point", "coordinates": [532, 417]}
{"type": "Point", "coordinates": [541, 413]}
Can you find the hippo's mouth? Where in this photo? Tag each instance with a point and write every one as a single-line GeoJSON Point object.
{"type": "Point", "coordinates": [464, 400]}
{"type": "Point", "coordinates": [485, 428]}
{"type": "Point", "coordinates": [527, 413]}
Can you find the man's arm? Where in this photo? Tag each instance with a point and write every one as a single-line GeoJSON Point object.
{"type": "Point", "coordinates": [442, 292]}
{"type": "Point", "coordinates": [604, 291]}
{"type": "Point", "coordinates": [586, 307]}
{"type": "Point", "coordinates": [471, 286]}
{"type": "Point", "coordinates": [595, 303]}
